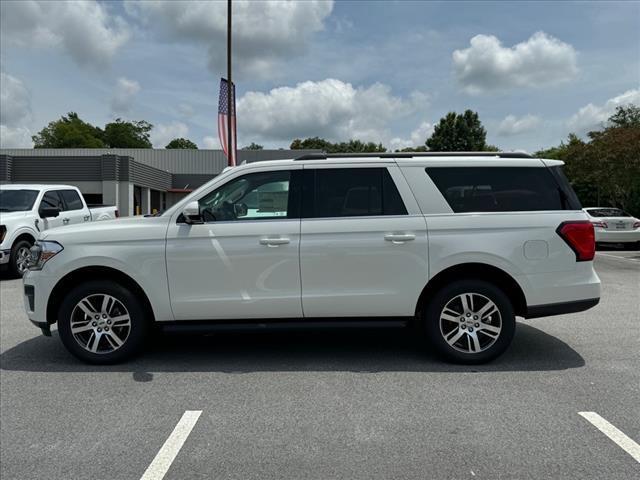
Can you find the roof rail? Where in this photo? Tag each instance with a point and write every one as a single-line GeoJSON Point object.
{"type": "Point", "coordinates": [324, 156]}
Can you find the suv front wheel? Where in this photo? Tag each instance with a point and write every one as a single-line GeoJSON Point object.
{"type": "Point", "coordinates": [470, 321]}
{"type": "Point", "coordinates": [102, 322]}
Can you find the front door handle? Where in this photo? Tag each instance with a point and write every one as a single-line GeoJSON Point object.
{"type": "Point", "coordinates": [65, 220]}
{"type": "Point", "coordinates": [274, 242]}
{"type": "Point", "coordinates": [398, 238]}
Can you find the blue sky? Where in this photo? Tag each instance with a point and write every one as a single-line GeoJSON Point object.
{"type": "Point", "coordinates": [378, 71]}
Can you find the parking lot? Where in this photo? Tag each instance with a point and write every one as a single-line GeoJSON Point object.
{"type": "Point", "coordinates": [357, 404]}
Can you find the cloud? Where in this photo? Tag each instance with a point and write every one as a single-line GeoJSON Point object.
{"type": "Point", "coordinates": [161, 134]}
{"type": "Point", "coordinates": [512, 125]}
{"type": "Point", "coordinates": [186, 110]}
{"type": "Point", "coordinates": [264, 33]}
{"type": "Point", "coordinates": [488, 66]}
{"type": "Point", "coordinates": [83, 29]}
{"type": "Point", "coordinates": [211, 143]}
{"type": "Point", "coordinates": [15, 112]}
{"type": "Point", "coordinates": [330, 108]}
{"type": "Point", "coordinates": [123, 95]}
{"type": "Point", "coordinates": [591, 117]}
{"type": "Point", "coordinates": [15, 101]}
{"type": "Point", "coordinates": [417, 138]}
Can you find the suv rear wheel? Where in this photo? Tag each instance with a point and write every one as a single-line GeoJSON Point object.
{"type": "Point", "coordinates": [470, 321]}
{"type": "Point", "coordinates": [102, 322]}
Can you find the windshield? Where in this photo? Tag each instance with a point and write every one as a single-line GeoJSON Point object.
{"type": "Point", "coordinates": [607, 212]}
{"type": "Point", "coordinates": [17, 200]}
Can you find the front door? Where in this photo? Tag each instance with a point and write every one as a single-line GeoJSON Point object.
{"type": "Point", "coordinates": [51, 199]}
{"type": "Point", "coordinates": [364, 243]}
{"type": "Point", "coordinates": [243, 261]}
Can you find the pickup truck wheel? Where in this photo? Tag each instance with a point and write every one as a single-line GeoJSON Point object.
{"type": "Point", "coordinates": [102, 322]}
{"type": "Point", "coordinates": [470, 321]}
{"type": "Point", "coordinates": [19, 257]}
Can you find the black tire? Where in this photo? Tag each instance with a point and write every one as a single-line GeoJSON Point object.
{"type": "Point", "coordinates": [132, 341]}
{"type": "Point", "coordinates": [15, 257]}
{"type": "Point", "coordinates": [490, 347]}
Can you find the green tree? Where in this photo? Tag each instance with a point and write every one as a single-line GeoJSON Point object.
{"type": "Point", "coordinates": [181, 143]}
{"type": "Point", "coordinates": [352, 146]}
{"type": "Point", "coordinates": [121, 134]}
{"type": "Point", "coordinates": [69, 132]}
{"type": "Point", "coordinates": [253, 146]}
{"type": "Point", "coordinates": [459, 133]}
{"type": "Point", "coordinates": [419, 148]}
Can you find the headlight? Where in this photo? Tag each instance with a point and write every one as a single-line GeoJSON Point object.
{"type": "Point", "coordinates": [3, 232]}
{"type": "Point", "coordinates": [42, 252]}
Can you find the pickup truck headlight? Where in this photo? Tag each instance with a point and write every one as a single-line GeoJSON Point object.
{"type": "Point", "coordinates": [42, 252]}
{"type": "Point", "coordinates": [3, 232]}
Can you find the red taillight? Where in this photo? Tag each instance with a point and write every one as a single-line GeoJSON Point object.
{"type": "Point", "coordinates": [117, 213]}
{"type": "Point", "coordinates": [580, 237]}
{"type": "Point", "coordinates": [600, 224]}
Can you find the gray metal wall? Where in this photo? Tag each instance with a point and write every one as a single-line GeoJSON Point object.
{"type": "Point", "coordinates": [174, 161]}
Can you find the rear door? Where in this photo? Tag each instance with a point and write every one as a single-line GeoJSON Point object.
{"type": "Point", "coordinates": [74, 209]}
{"type": "Point", "coordinates": [363, 250]}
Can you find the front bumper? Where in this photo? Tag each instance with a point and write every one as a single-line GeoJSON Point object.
{"type": "Point", "coordinates": [617, 236]}
{"type": "Point", "coordinates": [36, 292]}
{"type": "Point", "coordinates": [4, 256]}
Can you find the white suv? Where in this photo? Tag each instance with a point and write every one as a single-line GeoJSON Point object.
{"type": "Point", "coordinates": [457, 244]}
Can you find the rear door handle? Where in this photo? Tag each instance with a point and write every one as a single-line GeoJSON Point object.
{"type": "Point", "coordinates": [274, 242]}
{"type": "Point", "coordinates": [399, 237]}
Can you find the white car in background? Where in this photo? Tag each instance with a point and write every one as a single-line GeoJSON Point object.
{"type": "Point", "coordinates": [613, 225]}
{"type": "Point", "coordinates": [26, 210]}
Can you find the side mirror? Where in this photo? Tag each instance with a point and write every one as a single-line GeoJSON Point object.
{"type": "Point", "coordinates": [191, 213]}
{"type": "Point", "coordinates": [46, 212]}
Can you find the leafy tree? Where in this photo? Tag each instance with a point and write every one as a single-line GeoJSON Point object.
{"type": "Point", "coordinates": [121, 134]}
{"type": "Point", "coordinates": [70, 131]}
{"type": "Point", "coordinates": [459, 133]}
{"type": "Point", "coordinates": [181, 143]}
{"type": "Point", "coordinates": [625, 116]}
{"type": "Point", "coordinates": [352, 146]}
{"type": "Point", "coordinates": [253, 146]}
{"type": "Point", "coordinates": [419, 148]}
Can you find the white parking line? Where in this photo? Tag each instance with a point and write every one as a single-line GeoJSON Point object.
{"type": "Point", "coordinates": [619, 257]}
{"type": "Point", "coordinates": [167, 454]}
{"type": "Point", "coordinates": [619, 438]}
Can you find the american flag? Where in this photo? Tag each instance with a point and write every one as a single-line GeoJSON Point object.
{"type": "Point", "coordinates": [223, 112]}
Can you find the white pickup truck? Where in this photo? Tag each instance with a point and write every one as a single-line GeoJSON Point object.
{"type": "Point", "coordinates": [26, 210]}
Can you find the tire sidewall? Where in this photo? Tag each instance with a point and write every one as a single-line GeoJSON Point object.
{"type": "Point", "coordinates": [139, 322]}
{"type": "Point", "coordinates": [13, 267]}
{"type": "Point", "coordinates": [444, 295]}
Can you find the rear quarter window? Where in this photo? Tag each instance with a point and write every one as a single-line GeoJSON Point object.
{"type": "Point", "coordinates": [502, 189]}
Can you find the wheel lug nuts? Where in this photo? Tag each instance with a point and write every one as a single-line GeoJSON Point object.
{"type": "Point", "coordinates": [108, 322]}
{"type": "Point", "coordinates": [106, 329]}
{"type": "Point", "coordinates": [470, 329]}
{"type": "Point", "coordinates": [104, 316]}
{"type": "Point", "coordinates": [475, 317]}
{"type": "Point", "coordinates": [99, 329]}
{"type": "Point", "coordinates": [93, 324]}
{"type": "Point", "coordinates": [97, 317]}
{"type": "Point", "coordinates": [468, 314]}
{"type": "Point", "coordinates": [463, 327]}
{"type": "Point", "coordinates": [477, 325]}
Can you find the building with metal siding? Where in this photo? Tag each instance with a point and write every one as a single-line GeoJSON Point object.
{"type": "Point", "coordinates": [138, 181]}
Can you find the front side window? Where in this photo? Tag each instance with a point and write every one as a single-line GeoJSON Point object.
{"type": "Point", "coordinates": [256, 196]}
{"type": "Point", "coordinates": [72, 199]}
{"type": "Point", "coordinates": [17, 200]}
{"type": "Point", "coordinates": [52, 200]}
{"type": "Point", "coordinates": [500, 189]}
{"type": "Point", "coordinates": [354, 192]}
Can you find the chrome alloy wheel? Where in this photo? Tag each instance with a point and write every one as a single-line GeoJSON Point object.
{"type": "Point", "coordinates": [22, 259]}
{"type": "Point", "coordinates": [470, 323]}
{"type": "Point", "coordinates": [100, 323]}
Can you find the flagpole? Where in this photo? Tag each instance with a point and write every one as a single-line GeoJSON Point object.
{"type": "Point", "coordinates": [232, 153]}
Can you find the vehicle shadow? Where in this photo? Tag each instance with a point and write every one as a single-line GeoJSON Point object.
{"type": "Point", "coordinates": [365, 351]}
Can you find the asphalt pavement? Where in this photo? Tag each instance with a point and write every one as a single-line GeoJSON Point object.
{"type": "Point", "coordinates": [325, 405]}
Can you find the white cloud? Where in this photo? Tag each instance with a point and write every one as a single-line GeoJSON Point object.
{"type": "Point", "coordinates": [512, 125]}
{"type": "Point", "coordinates": [186, 110]}
{"type": "Point", "coordinates": [263, 32]}
{"type": "Point", "coordinates": [161, 134]}
{"type": "Point", "coordinates": [123, 95]}
{"type": "Point", "coordinates": [15, 101]}
{"type": "Point", "coordinates": [591, 117]}
{"type": "Point", "coordinates": [330, 108]}
{"type": "Point", "coordinates": [211, 143]}
{"type": "Point", "coordinates": [488, 66]}
{"type": "Point", "coordinates": [15, 113]}
{"type": "Point", "coordinates": [417, 138]}
{"type": "Point", "coordinates": [15, 137]}
{"type": "Point", "coordinates": [84, 29]}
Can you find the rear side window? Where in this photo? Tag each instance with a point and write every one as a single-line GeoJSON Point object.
{"type": "Point", "coordinates": [352, 192]}
{"type": "Point", "coordinates": [71, 199]}
{"type": "Point", "coordinates": [502, 189]}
